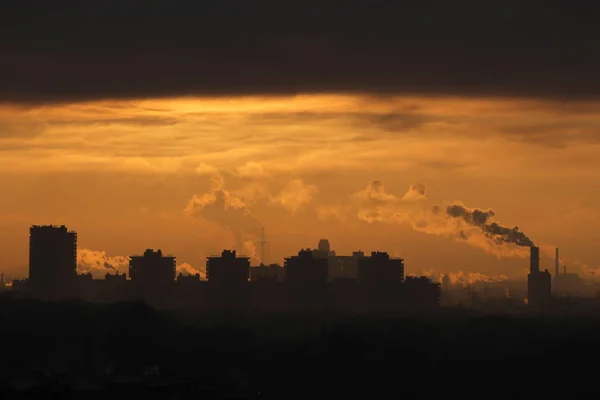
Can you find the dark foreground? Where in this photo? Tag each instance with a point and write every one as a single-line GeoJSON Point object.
{"type": "Point", "coordinates": [78, 350]}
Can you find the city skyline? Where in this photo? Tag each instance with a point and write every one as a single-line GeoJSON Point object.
{"type": "Point", "coordinates": [249, 199]}
{"type": "Point", "coordinates": [98, 264]}
{"type": "Point", "coordinates": [191, 139]}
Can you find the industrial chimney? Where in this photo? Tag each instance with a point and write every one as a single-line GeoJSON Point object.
{"type": "Point", "coordinates": [556, 264]}
{"type": "Point", "coordinates": [534, 260]}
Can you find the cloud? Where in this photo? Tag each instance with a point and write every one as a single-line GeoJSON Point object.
{"type": "Point", "coordinates": [98, 263]}
{"type": "Point", "coordinates": [287, 48]}
{"type": "Point", "coordinates": [206, 169]}
{"type": "Point", "coordinates": [416, 191]}
{"type": "Point", "coordinates": [141, 121]}
{"type": "Point", "coordinates": [295, 194]}
{"type": "Point", "coordinates": [375, 194]}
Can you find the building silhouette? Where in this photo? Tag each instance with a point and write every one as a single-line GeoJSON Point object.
{"type": "Point", "coordinates": [380, 270]}
{"type": "Point", "coordinates": [303, 282]}
{"type": "Point", "coordinates": [228, 269]}
{"type": "Point", "coordinates": [152, 275]}
{"type": "Point", "coordinates": [306, 269]}
{"type": "Point", "coordinates": [271, 272]}
{"type": "Point", "coordinates": [539, 283]}
{"type": "Point", "coordinates": [339, 267]}
{"type": "Point", "coordinates": [52, 260]}
{"type": "Point", "coordinates": [152, 268]}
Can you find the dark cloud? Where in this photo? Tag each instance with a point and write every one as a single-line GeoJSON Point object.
{"type": "Point", "coordinates": [69, 50]}
{"type": "Point", "coordinates": [144, 121]}
{"type": "Point", "coordinates": [400, 121]}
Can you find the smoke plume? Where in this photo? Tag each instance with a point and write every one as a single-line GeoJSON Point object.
{"type": "Point", "coordinates": [472, 226]}
{"type": "Point", "coordinates": [416, 191]}
{"type": "Point", "coordinates": [224, 208]}
{"type": "Point", "coordinates": [187, 269]}
{"type": "Point", "coordinates": [492, 230]}
{"type": "Point", "coordinates": [462, 278]}
{"type": "Point", "coordinates": [295, 195]}
{"type": "Point", "coordinates": [98, 263]}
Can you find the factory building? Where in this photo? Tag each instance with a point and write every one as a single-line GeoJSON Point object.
{"type": "Point", "coordinates": [539, 284]}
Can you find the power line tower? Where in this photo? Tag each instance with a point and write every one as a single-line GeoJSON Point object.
{"type": "Point", "coordinates": [263, 242]}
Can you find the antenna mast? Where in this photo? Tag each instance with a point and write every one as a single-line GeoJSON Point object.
{"type": "Point", "coordinates": [262, 243]}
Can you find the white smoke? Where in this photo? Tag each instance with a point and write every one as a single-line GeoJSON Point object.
{"type": "Point", "coordinates": [223, 207]}
{"type": "Point", "coordinates": [98, 263]}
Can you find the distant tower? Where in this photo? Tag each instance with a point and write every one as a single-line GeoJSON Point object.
{"type": "Point", "coordinates": [263, 242]}
{"type": "Point", "coordinates": [556, 263]}
{"type": "Point", "coordinates": [539, 284]}
{"type": "Point", "coordinates": [2, 282]}
{"type": "Point", "coordinates": [324, 246]}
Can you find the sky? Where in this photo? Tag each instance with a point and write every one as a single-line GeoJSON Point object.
{"type": "Point", "coordinates": [428, 130]}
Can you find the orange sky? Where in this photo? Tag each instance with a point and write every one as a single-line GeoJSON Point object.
{"type": "Point", "coordinates": [193, 176]}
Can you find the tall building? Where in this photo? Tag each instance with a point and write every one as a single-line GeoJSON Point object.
{"type": "Point", "coordinates": [340, 267]}
{"type": "Point", "coordinates": [539, 284]}
{"type": "Point", "coordinates": [52, 258]}
{"type": "Point", "coordinates": [380, 270]}
{"type": "Point", "coordinates": [228, 269]}
{"type": "Point", "coordinates": [306, 269]}
{"type": "Point", "coordinates": [152, 268]}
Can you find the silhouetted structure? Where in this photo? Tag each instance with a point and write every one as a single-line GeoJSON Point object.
{"type": "Point", "coordinates": [152, 275]}
{"type": "Point", "coordinates": [228, 269]}
{"type": "Point", "coordinates": [306, 270]}
{"type": "Point", "coordinates": [420, 291]}
{"type": "Point", "coordinates": [380, 270]}
{"type": "Point", "coordinates": [303, 282]}
{"type": "Point", "coordinates": [539, 284]}
{"type": "Point", "coordinates": [271, 272]}
{"type": "Point", "coordinates": [152, 268]}
{"type": "Point", "coordinates": [340, 267]}
{"type": "Point", "coordinates": [52, 260]}
{"type": "Point", "coordinates": [263, 243]}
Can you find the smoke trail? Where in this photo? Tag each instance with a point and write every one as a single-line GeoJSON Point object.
{"type": "Point", "coordinates": [187, 269]}
{"type": "Point", "coordinates": [463, 278]}
{"type": "Point", "coordinates": [472, 226]}
{"type": "Point", "coordinates": [492, 230]}
{"type": "Point", "coordinates": [98, 263]}
{"type": "Point", "coordinates": [229, 211]}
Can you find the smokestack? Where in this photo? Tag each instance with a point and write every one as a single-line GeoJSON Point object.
{"type": "Point", "coordinates": [556, 264]}
{"type": "Point", "coordinates": [534, 260]}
